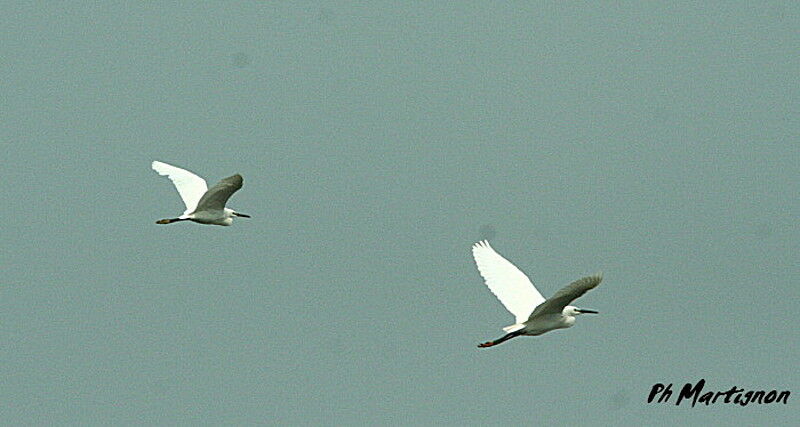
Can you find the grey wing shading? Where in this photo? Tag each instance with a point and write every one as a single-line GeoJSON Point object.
{"type": "Point", "coordinates": [567, 294]}
{"type": "Point", "coordinates": [216, 196]}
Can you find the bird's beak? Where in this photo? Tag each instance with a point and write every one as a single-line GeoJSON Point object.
{"type": "Point", "coordinates": [586, 310]}
{"type": "Point", "coordinates": [241, 215]}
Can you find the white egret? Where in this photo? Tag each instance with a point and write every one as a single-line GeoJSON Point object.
{"type": "Point", "coordinates": [534, 315]}
{"type": "Point", "coordinates": [203, 205]}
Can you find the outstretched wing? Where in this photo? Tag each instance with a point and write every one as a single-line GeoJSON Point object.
{"type": "Point", "coordinates": [216, 196]}
{"type": "Point", "coordinates": [510, 285]}
{"type": "Point", "coordinates": [567, 294]}
{"type": "Point", "coordinates": [190, 186]}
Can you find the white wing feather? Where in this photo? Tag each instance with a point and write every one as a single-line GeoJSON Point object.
{"type": "Point", "coordinates": [190, 186]}
{"type": "Point", "coordinates": [510, 285]}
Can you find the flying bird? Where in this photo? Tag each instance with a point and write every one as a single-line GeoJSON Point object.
{"type": "Point", "coordinates": [534, 314]}
{"type": "Point", "coordinates": [203, 205]}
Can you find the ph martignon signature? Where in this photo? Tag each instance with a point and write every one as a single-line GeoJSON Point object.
{"type": "Point", "coordinates": [735, 395]}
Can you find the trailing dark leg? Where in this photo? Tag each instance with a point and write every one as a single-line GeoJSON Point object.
{"type": "Point", "coordinates": [502, 339]}
{"type": "Point", "coordinates": [171, 220]}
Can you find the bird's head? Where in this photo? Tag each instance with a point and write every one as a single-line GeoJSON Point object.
{"type": "Point", "coordinates": [571, 310]}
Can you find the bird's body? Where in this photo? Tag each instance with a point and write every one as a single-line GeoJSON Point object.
{"type": "Point", "coordinates": [203, 205]}
{"type": "Point", "coordinates": [213, 217]}
{"type": "Point", "coordinates": [534, 314]}
{"type": "Point", "coordinates": [547, 323]}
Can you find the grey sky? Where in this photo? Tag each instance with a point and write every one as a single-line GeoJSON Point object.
{"type": "Point", "coordinates": [656, 143]}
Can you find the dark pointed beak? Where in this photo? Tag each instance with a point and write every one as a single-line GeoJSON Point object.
{"type": "Point", "coordinates": [586, 310]}
{"type": "Point", "coordinates": [241, 215]}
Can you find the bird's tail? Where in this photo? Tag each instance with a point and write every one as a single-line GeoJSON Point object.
{"type": "Point", "coordinates": [514, 327]}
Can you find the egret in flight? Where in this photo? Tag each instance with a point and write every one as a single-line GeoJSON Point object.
{"type": "Point", "coordinates": [534, 315]}
{"type": "Point", "coordinates": [203, 205]}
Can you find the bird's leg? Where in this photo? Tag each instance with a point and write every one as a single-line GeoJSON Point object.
{"type": "Point", "coordinates": [171, 220]}
{"type": "Point", "coordinates": [500, 340]}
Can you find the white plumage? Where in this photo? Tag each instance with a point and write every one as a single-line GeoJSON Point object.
{"type": "Point", "coordinates": [190, 186]}
{"type": "Point", "coordinates": [534, 315]}
{"type": "Point", "coordinates": [203, 205]}
{"type": "Point", "coordinates": [507, 282]}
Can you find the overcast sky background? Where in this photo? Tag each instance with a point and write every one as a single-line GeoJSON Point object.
{"type": "Point", "coordinates": [656, 143]}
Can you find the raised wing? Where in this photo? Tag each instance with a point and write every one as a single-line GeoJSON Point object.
{"type": "Point", "coordinates": [567, 294]}
{"type": "Point", "coordinates": [190, 186]}
{"type": "Point", "coordinates": [510, 285]}
{"type": "Point", "coordinates": [216, 196]}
